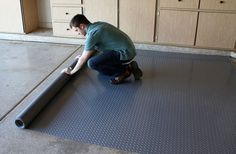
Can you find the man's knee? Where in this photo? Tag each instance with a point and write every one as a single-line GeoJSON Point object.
{"type": "Point", "coordinates": [91, 63]}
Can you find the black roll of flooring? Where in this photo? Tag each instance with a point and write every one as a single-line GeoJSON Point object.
{"type": "Point", "coordinates": [32, 110]}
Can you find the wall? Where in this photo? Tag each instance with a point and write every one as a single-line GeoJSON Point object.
{"type": "Point", "coordinates": [44, 13]}
{"type": "Point", "coordinates": [10, 16]}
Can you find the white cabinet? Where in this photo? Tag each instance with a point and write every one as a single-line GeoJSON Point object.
{"type": "Point", "coordinates": [62, 12]}
{"type": "Point", "coordinates": [198, 23]}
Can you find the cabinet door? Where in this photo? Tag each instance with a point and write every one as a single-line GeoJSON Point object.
{"type": "Point", "coordinates": [11, 16]}
{"type": "Point", "coordinates": [102, 10]}
{"type": "Point", "coordinates": [137, 19]}
{"type": "Point", "coordinates": [177, 27]}
{"type": "Point", "coordinates": [30, 15]}
{"type": "Point", "coordinates": [216, 30]}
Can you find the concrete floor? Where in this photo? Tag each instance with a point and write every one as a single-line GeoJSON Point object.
{"type": "Point", "coordinates": [26, 69]}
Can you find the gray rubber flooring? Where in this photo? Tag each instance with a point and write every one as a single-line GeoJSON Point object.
{"type": "Point", "coordinates": [184, 104]}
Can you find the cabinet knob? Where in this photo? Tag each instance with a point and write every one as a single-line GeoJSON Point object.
{"type": "Point", "coordinates": [67, 13]}
{"type": "Point", "coordinates": [221, 2]}
{"type": "Point", "coordinates": [180, 0]}
{"type": "Point", "coordinates": [68, 29]}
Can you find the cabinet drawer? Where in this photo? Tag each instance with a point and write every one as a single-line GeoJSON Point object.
{"type": "Point", "coordinates": [179, 3]}
{"type": "Point", "coordinates": [218, 4]}
{"type": "Point", "coordinates": [66, 1]}
{"type": "Point", "coordinates": [65, 13]}
{"type": "Point", "coordinates": [63, 29]}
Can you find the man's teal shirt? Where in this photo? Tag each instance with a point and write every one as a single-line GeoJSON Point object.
{"type": "Point", "coordinates": [105, 37]}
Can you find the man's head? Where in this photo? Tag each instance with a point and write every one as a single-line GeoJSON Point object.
{"type": "Point", "coordinates": [79, 23]}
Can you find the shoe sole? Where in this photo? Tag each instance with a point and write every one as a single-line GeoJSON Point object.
{"type": "Point", "coordinates": [113, 81]}
{"type": "Point", "coordinates": [136, 70]}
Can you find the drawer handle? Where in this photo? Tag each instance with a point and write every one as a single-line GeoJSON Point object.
{"type": "Point", "coordinates": [68, 29]}
{"type": "Point", "coordinates": [180, 0]}
{"type": "Point", "coordinates": [67, 13]}
{"type": "Point", "coordinates": [221, 2]}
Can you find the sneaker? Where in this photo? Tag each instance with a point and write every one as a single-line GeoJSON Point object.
{"type": "Point", "coordinates": [119, 79]}
{"type": "Point", "coordinates": [137, 72]}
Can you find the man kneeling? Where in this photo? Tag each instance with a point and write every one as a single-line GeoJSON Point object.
{"type": "Point", "coordinates": [117, 50]}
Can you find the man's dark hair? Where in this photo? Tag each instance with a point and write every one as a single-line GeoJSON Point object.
{"type": "Point", "coordinates": [78, 19]}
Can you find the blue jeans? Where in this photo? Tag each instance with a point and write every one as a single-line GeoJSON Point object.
{"type": "Point", "coordinates": [108, 63]}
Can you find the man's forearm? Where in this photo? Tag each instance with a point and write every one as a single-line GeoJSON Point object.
{"type": "Point", "coordinates": [78, 65]}
{"type": "Point", "coordinates": [82, 60]}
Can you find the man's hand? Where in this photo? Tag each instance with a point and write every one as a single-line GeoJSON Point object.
{"type": "Point", "coordinates": [67, 70]}
{"type": "Point", "coordinates": [77, 57]}
{"type": "Point", "coordinates": [82, 59]}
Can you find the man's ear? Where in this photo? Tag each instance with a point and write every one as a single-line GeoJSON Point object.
{"type": "Point", "coordinates": [81, 26]}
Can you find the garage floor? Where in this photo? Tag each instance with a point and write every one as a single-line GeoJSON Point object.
{"type": "Point", "coordinates": [15, 140]}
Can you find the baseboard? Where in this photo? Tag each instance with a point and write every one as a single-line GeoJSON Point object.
{"type": "Point", "coordinates": [140, 46]}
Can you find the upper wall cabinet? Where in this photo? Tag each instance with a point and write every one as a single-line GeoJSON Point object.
{"type": "Point", "coordinates": [137, 19]}
{"type": "Point", "coordinates": [102, 10]}
{"type": "Point", "coordinates": [11, 16]}
{"type": "Point", "coordinates": [18, 16]}
{"type": "Point", "coordinates": [192, 4]}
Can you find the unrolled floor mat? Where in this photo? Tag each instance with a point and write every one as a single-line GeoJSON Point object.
{"type": "Point", "coordinates": [183, 104]}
